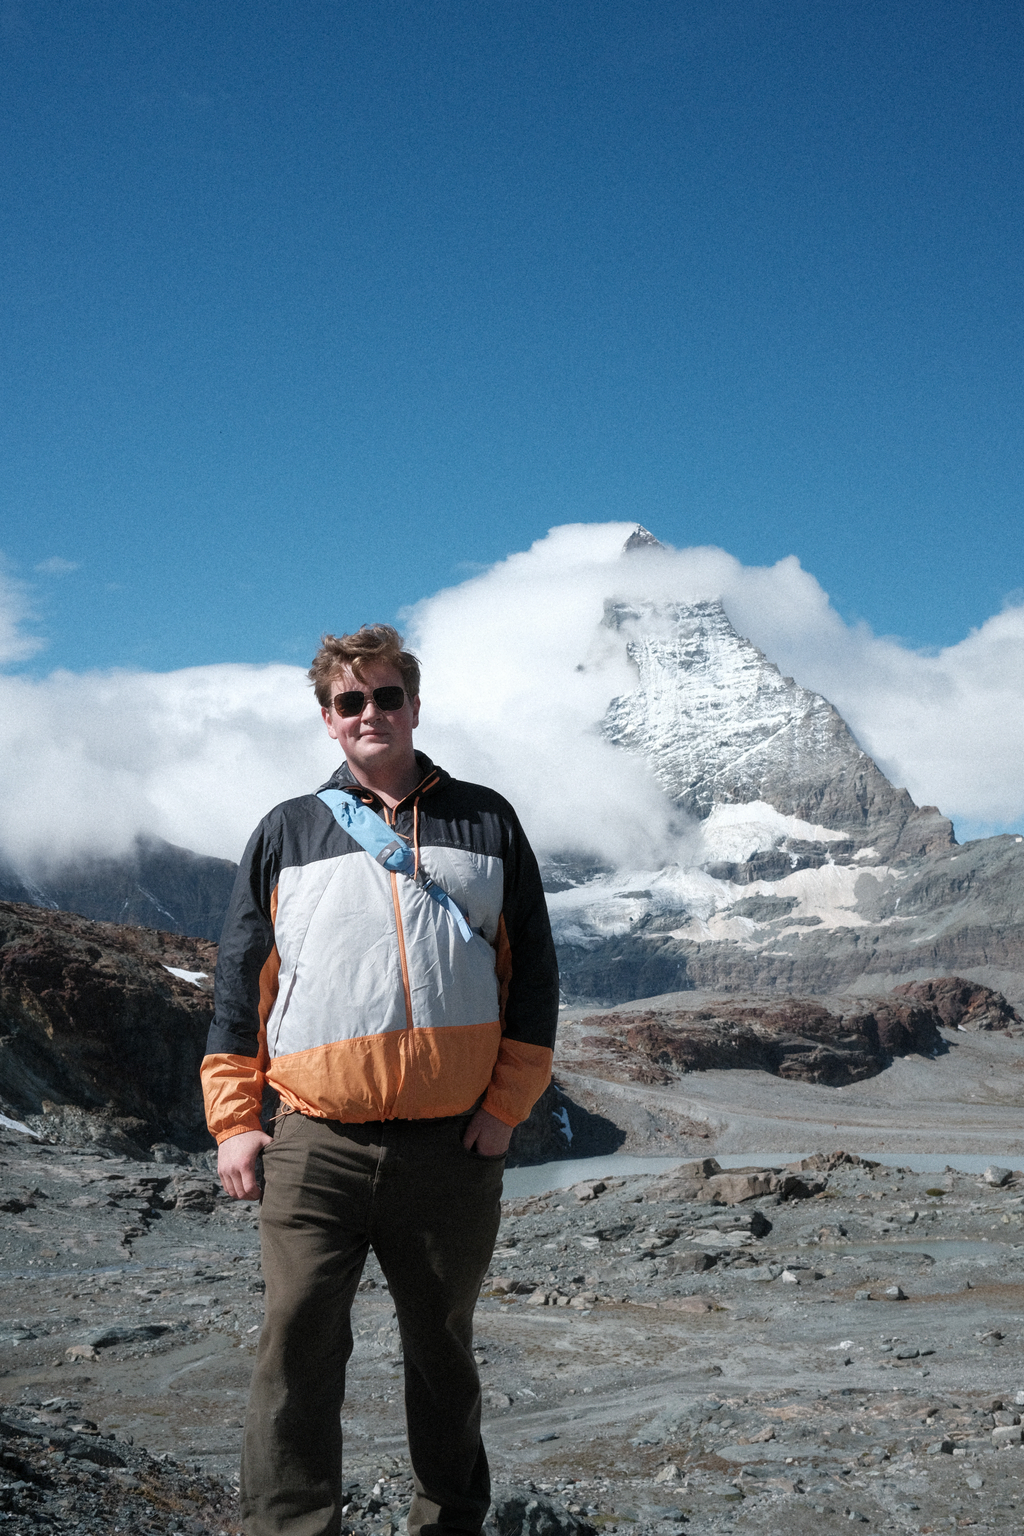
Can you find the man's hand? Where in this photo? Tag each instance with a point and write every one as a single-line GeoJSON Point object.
{"type": "Point", "coordinates": [236, 1163]}
{"type": "Point", "coordinates": [486, 1134]}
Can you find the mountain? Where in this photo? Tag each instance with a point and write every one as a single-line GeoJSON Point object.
{"type": "Point", "coordinates": [811, 872]}
{"type": "Point", "coordinates": [156, 885]}
{"type": "Point", "coordinates": [720, 725]}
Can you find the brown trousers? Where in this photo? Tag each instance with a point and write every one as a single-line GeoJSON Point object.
{"type": "Point", "coordinates": [430, 1211]}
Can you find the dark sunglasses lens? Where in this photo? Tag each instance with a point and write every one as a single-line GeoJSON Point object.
{"type": "Point", "coordinates": [354, 701]}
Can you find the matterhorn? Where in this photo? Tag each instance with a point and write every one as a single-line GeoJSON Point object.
{"type": "Point", "coordinates": [811, 873]}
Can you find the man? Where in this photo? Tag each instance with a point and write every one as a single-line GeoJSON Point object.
{"type": "Point", "coordinates": [402, 1019]}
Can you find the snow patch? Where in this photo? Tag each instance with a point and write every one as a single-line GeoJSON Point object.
{"type": "Point", "coordinates": [195, 977]}
{"type": "Point", "coordinates": [16, 1125]}
{"type": "Point", "coordinates": [613, 905]}
{"type": "Point", "coordinates": [733, 832]}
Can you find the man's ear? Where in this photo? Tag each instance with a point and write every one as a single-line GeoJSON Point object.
{"type": "Point", "coordinates": [415, 711]}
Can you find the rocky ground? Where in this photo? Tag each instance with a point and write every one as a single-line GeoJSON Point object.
{"type": "Point", "coordinates": [697, 1351]}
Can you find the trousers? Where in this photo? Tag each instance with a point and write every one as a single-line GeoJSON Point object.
{"type": "Point", "coordinates": [430, 1211]}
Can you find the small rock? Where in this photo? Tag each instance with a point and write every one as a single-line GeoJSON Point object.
{"type": "Point", "coordinates": [975, 1481]}
{"type": "Point", "coordinates": [1007, 1434]}
{"type": "Point", "coordinates": [537, 1298]}
{"type": "Point", "coordinates": [896, 1293]}
{"type": "Point", "coordinates": [789, 1278]}
{"type": "Point", "coordinates": [862, 1295]}
{"type": "Point", "coordinates": [126, 1333]}
{"type": "Point", "coordinates": [943, 1447]}
{"type": "Point", "coordinates": [81, 1352]}
{"type": "Point", "coordinates": [194, 1195]}
{"type": "Point", "coordinates": [669, 1473]}
{"type": "Point", "coordinates": [686, 1263]}
{"type": "Point", "coordinates": [907, 1354]}
{"type": "Point", "coordinates": [996, 1176]}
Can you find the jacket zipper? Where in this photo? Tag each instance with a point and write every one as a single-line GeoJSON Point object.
{"type": "Point", "coordinates": [401, 937]}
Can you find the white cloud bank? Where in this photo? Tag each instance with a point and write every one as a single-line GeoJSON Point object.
{"type": "Point", "coordinates": [88, 761]}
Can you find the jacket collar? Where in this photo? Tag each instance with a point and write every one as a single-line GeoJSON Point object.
{"type": "Point", "coordinates": [430, 778]}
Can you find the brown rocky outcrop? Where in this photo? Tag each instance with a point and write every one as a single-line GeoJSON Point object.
{"type": "Point", "coordinates": [961, 1004]}
{"type": "Point", "coordinates": [798, 1038]}
{"type": "Point", "coordinates": [98, 1040]}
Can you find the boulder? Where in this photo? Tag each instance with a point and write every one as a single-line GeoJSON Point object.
{"type": "Point", "coordinates": [519, 1511]}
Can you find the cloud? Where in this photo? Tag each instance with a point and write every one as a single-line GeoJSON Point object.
{"type": "Point", "coordinates": [15, 612]}
{"type": "Point", "coordinates": [518, 671]}
{"type": "Point", "coordinates": [56, 565]}
{"type": "Point", "coordinates": [90, 760]}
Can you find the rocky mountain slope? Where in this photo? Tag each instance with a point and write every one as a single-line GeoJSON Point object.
{"type": "Point", "coordinates": [102, 1029]}
{"type": "Point", "coordinates": [720, 725]}
{"type": "Point", "coordinates": [156, 885]}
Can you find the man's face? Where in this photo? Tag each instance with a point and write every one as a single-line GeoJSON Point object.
{"type": "Point", "coordinates": [375, 740]}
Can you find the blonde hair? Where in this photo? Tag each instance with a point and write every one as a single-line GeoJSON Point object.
{"type": "Point", "coordinates": [371, 642]}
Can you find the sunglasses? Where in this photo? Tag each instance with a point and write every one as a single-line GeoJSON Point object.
{"type": "Point", "coordinates": [354, 701]}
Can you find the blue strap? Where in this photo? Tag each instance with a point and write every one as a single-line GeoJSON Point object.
{"type": "Point", "coordinates": [387, 847]}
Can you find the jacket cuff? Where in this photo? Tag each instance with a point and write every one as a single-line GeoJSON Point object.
{"type": "Point", "coordinates": [521, 1073]}
{"type": "Point", "coordinates": [236, 1130]}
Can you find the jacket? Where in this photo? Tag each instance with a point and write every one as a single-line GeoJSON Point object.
{"type": "Point", "coordinates": [349, 991]}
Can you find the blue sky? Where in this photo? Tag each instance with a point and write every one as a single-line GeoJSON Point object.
{"type": "Point", "coordinates": [312, 308]}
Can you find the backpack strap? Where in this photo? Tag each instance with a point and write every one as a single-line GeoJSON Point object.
{"type": "Point", "coordinates": [388, 848]}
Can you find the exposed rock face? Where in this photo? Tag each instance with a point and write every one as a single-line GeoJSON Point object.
{"type": "Point", "coordinates": [961, 1004]}
{"type": "Point", "coordinates": [799, 1038]}
{"type": "Point", "coordinates": [100, 1042]}
{"type": "Point", "coordinates": [157, 886]}
{"type": "Point", "coordinates": [812, 930]}
{"type": "Point", "coordinates": [720, 724]}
